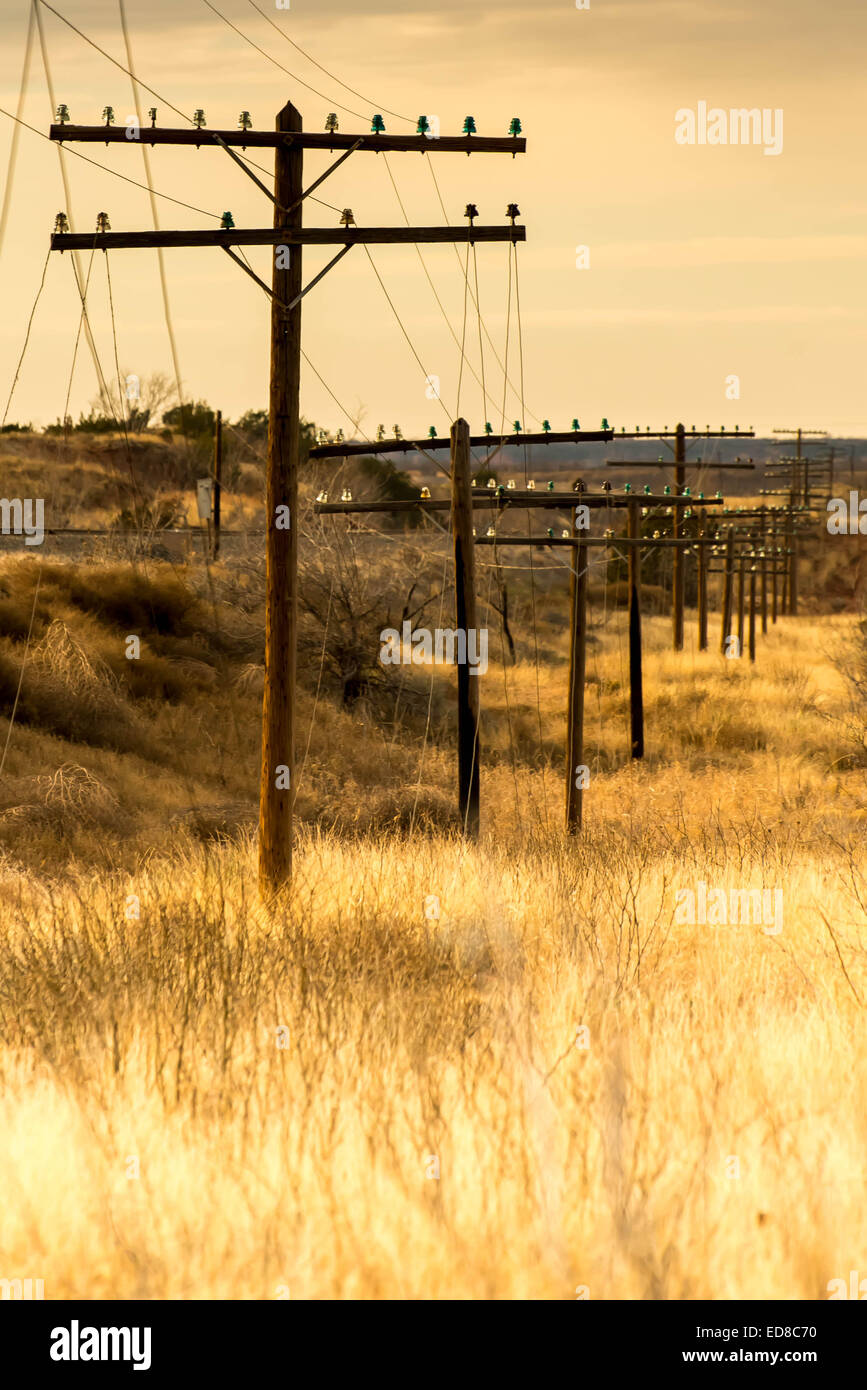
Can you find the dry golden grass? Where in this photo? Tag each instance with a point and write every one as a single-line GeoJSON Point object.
{"type": "Point", "coordinates": [202, 1100]}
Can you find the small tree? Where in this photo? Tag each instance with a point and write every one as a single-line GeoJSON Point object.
{"type": "Point", "coordinates": [194, 419]}
{"type": "Point", "coordinates": [131, 404]}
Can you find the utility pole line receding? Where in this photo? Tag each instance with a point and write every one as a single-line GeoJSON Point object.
{"type": "Point", "coordinates": [287, 237]}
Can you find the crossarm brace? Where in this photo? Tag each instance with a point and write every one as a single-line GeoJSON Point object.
{"type": "Point", "coordinates": [247, 271]}
{"type": "Point", "coordinates": [317, 278]}
{"type": "Point", "coordinates": [270, 293]}
{"type": "Point", "coordinates": [241, 165]}
{"type": "Point", "coordinates": [323, 177]}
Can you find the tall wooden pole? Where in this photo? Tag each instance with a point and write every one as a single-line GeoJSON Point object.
{"type": "Point", "coordinates": [577, 670]}
{"type": "Point", "coordinates": [741, 597]}
{"type": "Point", "coordinates": [636, 689]}
{"type": "Point", "coordinates": [752, 627]}
{"type": "Point", "coordinates": [702, 582]}
{"type": "Point", "coordinates": [806, 480]}
{"type": "Point", "coordinates": [728, 580]}
{"type": "Point", "coordinates": [677, 529]}
{"type": "Point", "coordinates": [793, 571]}
{"type": "Point", "coordinates": [465, 613]}
{"type": "Point", "coordinates": [774, 567]}
{"type": "Point", "coordinates": [764, 592]}
{"type": "Point", "coordinates": [763, 542]}
{"type": "Point", "coordinates": [218, 479]}
{"type": "Point", "coordinates": [277, 786]}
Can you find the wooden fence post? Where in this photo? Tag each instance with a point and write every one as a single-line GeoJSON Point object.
{"type": "Point", "coordinates": [465, 612]}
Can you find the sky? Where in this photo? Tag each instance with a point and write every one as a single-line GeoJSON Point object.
{"type": "Point", "coordinates": [719, 284]}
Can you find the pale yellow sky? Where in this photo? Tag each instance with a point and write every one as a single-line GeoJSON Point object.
{"type": "Point", "coordinates": [705, 261]}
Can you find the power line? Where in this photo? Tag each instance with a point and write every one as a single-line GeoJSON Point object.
{"type": "Point", "coordinates": [341, 407]}
{"type": "Point", "coordinates": [105, 394]}
{"type": "Point", "coordinates": [81, 318]}
{"type": "Point", "coordinates": [391, 176]}
{"type": "Point", "coordinates": [129, 74]}
{"type": "Point", "coordinates": [436, 296]}
{"type": "Point", "coordinates": [26, 341]}
{"type": "Point", "coordinates": [408, 340]}
{"type": "Point", "coordinates": [13, 152]}
{"type": "Point", "coordinates": [153, 93]}
{"type": "Point", "coordinates": [67, 149]}
{"type": "Point", "coordinates": [123, 420]}
{"type": "Point", "coordinates": [312, 60]}
{"type": "Point", "coordinates": [263, 170]}
{"type": "Point", "coordinates": [484, 325]}
{"type": "Point", "coordinates": [293, 75]}
{"type": "Point", "coordinates": [173, 346]}
{"type": "Point", "coordinates": [76, 262]}
{"type": "Point", "coordinates": [29, 637]}
{"type": "Point", "coordinates": [400, 323]}
{"type": "Point", "coordinates": [117, 64]}
{"type": "Point", "coordinates": [463, 337]}
{"type": "Point", "coordinates": [479, 318]}
{"type": "Point", "coordinates": [353, 422]}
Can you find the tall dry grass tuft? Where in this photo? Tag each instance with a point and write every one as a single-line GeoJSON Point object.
{"type": "Point", "coordinates": [282, 1084]}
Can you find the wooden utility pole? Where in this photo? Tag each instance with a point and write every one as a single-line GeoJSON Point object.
{"type": "Point", "coordinates": [728, 580]}
{"type": "Point", "coordinates": [465, 614]}
{"type": "Point", "coordinates": [799, 485]}
{"type": "Point", "coordinates": [218, 479]}
{"type": "Point", "coordinates": [501, 501]}
{"type": "Point", "coordinates": [774, 568]}
{"type": "Point", "coordinates": [636, 689]}
{"type": "Point", "coordinates": [763, 540]}
{"type": "Point", "coordinates": [764, 592]}
{"type": "Point", "coordinates": [286, 237]}
{"type": "Point", "coordinates": [678, 578]}
{"type": "Point", "coordinates": [752, 628]}
{"type": "Point", "coordinates": [577, 672]}
{"type": "Point", "coordinates": [702, 582]}
{"type": "Point", "coordinates": [679, 448]}
{"type": "Point", "coordinates": [741, 597]}
{"type": "Point", "coordinates": [793, 571]}
{"type": "Point", "coordinates": [277, 784]}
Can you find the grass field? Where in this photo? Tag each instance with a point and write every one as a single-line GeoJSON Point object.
{"type": "Point", "coordinates": [501, 1071]}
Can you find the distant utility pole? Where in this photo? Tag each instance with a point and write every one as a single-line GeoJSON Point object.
{"type": "Point", "coordinates": [679, 435]}
{"type": "Point", "coordinates": [462, 502]}
{"type": "Point", "coordinates": [800, 465]}
{"type": "Point", "coordinates": [636, 686]}
{"type": "Point", "coordinates": [288, 236]}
